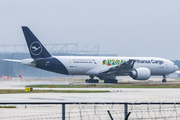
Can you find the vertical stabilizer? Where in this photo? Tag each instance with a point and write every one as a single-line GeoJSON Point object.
{"type": "Point", "coordinates": [36, 49]}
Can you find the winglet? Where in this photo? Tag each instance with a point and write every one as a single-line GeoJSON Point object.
{"type": "Point", "coordinates": [36, 49]}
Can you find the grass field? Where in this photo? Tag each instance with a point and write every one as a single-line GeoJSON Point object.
{"type": "Point", "coordinates": [13, 91]}
{"type": "Point", "coordinates": [163, 85]}
{"type": "Point", "coordinates": [7, 106]}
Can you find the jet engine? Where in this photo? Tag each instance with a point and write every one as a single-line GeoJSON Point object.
{"type": "Point", "coordinates": [140, 74]}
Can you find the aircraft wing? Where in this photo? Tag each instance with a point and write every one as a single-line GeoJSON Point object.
{"type": "Point", "coordinates": [107, 70]}
{"type": "Point", "coordinates": [125, 66]}
{"type": "Point", "coordinates": [122, 67]}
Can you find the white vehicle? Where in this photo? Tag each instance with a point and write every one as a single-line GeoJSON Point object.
{"type": "Point", "coordinates": [105, 68]}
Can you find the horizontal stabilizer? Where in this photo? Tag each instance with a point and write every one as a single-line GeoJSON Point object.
{"type": "Point", "coordinates": [12, 60]}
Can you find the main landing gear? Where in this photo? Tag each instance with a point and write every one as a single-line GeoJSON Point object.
{"type": "Point", "coordinates": [164, 79]}
{"type": "Point", "coordinates": [92, 80]}
{"type": "Point", "coordinates": [110, 81]}
{"type": "Point", "coordinates": [106, 80]}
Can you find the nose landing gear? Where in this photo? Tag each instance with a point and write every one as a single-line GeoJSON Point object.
{"type": "Point", "coordinates": [164, 79]}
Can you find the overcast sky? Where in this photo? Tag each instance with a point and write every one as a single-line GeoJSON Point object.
{"type": "Point", "coordinates": [125, 27]}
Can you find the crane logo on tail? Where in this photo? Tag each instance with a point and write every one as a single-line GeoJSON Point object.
{"type": "Point", "coordinates": [35, 48]}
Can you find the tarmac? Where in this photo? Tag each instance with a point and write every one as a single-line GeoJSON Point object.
{"type": "Point", "coordinates": [53, 111]}
{"type": "Point", "coordinates": [115, 94]}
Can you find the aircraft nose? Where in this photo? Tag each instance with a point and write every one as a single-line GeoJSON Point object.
{"type": "Point", "coordinates": [176, 67]}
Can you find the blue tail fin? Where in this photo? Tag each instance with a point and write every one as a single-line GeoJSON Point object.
{"type": "Point", "coordinates": [36, 49]}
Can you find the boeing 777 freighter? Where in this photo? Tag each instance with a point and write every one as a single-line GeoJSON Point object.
{"type": "Point", "coordinates": [105, 68]}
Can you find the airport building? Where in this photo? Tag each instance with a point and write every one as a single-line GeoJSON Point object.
{"type": "Point", "coordinates": [18, 52]}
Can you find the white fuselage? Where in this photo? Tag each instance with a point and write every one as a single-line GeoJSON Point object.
{"type": "Point", "coordinates": [78, 65]}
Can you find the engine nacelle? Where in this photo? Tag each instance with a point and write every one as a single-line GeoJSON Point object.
{"type": "Point", "coordinates": [140, 74]}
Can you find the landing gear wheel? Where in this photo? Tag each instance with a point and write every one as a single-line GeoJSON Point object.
{"type": "Point", "coordinates": [164, 80]}
{"type": "Point", "coordinates": [92, 81]}
{"type": "Point", "coordinates": [115, 81]}
{"type": "Point", "coordinates": [110, 81]}
{"type": "Point", "coordinates": [106, 81]}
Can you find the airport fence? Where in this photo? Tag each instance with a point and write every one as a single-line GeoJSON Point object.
{"type": "Point", "coordinates": [92, 110]}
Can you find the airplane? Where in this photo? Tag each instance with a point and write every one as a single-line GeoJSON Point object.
{"type": "Point", "coordinates": [104, 68]}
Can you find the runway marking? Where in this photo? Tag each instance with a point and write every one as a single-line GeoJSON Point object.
{"type": "Point", "coordinates": [147, 98]}
{"type": "Point", "coordinates": [39, 108]}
